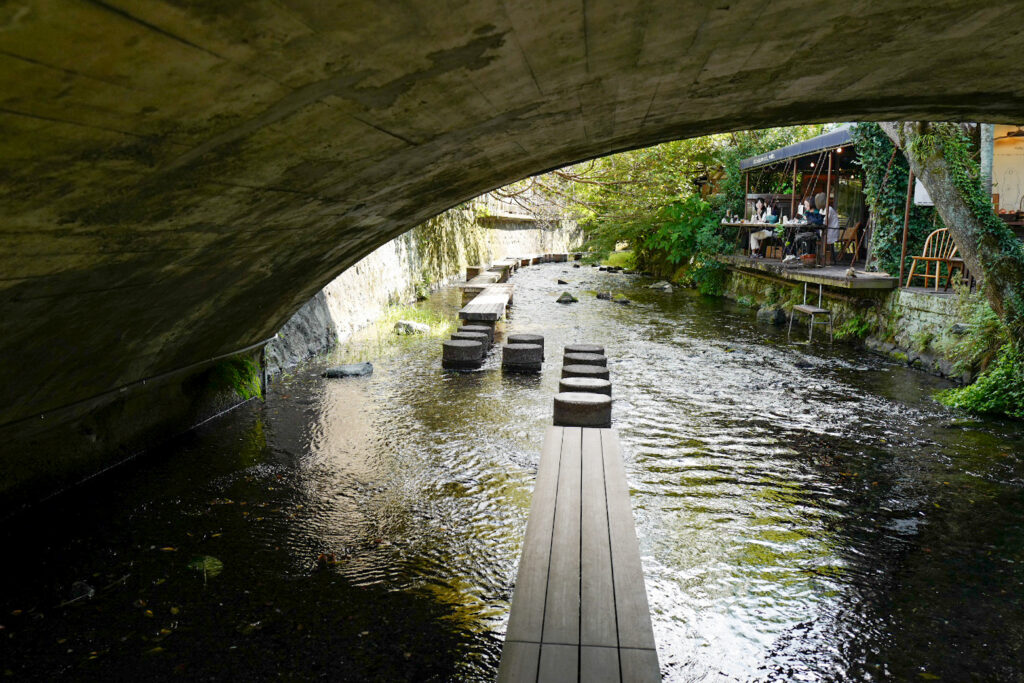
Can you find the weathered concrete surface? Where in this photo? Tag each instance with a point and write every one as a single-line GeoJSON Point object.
{"type": "Point", "coordinates": [177, 179]}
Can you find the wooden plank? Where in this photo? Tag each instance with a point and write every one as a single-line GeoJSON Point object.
{"type": "Point", "coordinates": [639, 666]}
{"type": "Point", "coordinates": [599, 665]}
{"type": "Point", "coordinates": [562, 608]}
{"type": "Point", "coordinates": [558, 663]}
{"type": "Point", "coordinates": [527, 615]}
{"type": "Point", "coordinates": [632, 611]}
{"type": "Point", "coordinates": [597, 595]}
{"type": "Point", "coordinates": [519, 662]}
{"type": "Point", "coordinates": [489, 305]}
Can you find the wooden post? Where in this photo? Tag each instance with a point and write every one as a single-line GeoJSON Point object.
{"type": "Point", "coordinates": [906, 223]}
{"type": "Point", "coordinates": [828, 193]}
{"type": "Point", "coordinates": [792, 196]}
{"type": "Point", "coordinates": [746, 191]}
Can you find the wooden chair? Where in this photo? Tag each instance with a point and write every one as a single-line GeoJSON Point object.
{"type": "Point", "coordinates": [848, 241]}
{"type": "Point", "coordinates": [938, 249]}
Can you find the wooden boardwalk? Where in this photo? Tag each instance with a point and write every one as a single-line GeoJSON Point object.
{"type": "Point", "coordinates": [579, 611]}
{"type": "Point", "coordinates": [489, 305]}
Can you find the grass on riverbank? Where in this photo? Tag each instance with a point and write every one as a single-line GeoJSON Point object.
{"type": "Point", "coordinates": [380, 339]}
{"type": "Point", "coordinates": [619, 258]}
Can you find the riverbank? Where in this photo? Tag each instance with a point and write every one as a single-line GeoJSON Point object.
{"type": "Point", "coordinates": [917, 327]}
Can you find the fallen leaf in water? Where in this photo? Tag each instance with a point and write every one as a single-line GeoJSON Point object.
{"type": "Point", "coordinates": [148, 613]}
{"type": "Point", "coordinates": [169, 549]}
{"type": "Point", "coordinates": [205, 564]}
{"type": "Point", "coordinates": [175, 610]}
{"type": "Point", "coordinates": [165, 631]}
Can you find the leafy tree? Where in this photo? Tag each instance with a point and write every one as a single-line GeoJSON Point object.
{"type": "Point", "coordinates": [666, 202]}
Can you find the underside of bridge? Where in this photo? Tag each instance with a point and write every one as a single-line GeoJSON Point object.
{"type": "Point", "coordinates": [177, 178]}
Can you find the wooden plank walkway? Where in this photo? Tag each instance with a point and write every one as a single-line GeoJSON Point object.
{"type": "Point", "coordinates": [489, 305]}
{"type": "Point", "coordinates": [478, 284]}
{"type": "Point", "coordinates": [579, 610]}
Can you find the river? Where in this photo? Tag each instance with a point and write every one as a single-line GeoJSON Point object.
{"type": "Point", "coordinates": [805, 513]}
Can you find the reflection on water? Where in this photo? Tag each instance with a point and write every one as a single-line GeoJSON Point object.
{"type": "Point", "coordinates": [804, 513]}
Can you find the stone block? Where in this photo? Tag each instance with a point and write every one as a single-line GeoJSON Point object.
{"type": "Point", "coordinates": [522, 357]}
{"type": "Point", "coordinates": [526, 339]}
{"type": "Point", "coordinates": [584, 348]}
{"type": "Point", "coordinates": [582, 409]}
{"type": "Point", "coordinates": [461, 354]}
{"type": "Point", "coordinates": [591, 385]}
{"type": "Point", "coordinates": [585, 371]}
{"type": "Point", "coordinates": [585, 359]}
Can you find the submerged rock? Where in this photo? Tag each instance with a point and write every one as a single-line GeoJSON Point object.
{"type": "Point", "coordinates": [411, 327]}
{"type": "Point", "coordinates": [606, 296]}
{"type": "Point", "coordinates": [620, 299]}
{"type": "Point", "coordinates": [567, 298]}
{"type": "Point", "coordinates": [775, 315]}
{"type": "Point", "coordinates": [349, 370]}
{"type": "Point", "coordinates": [662, 285]}
{"type": "Point", "coordinates": [562, 282]}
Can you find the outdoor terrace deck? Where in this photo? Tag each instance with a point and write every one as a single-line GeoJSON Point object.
{"type": "Point", "coordinates": [579, 611]}
{"type": "Point", "coordinates": [830, 276]}
{"type": "Point", "coordinates": [489, 305]}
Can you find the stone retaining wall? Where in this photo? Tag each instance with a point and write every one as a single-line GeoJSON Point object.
{"type": "Point", "coordinates": [910, 326]}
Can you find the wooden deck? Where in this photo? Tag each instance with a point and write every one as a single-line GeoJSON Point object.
{"type": "Point", "coordinates": [830, 276]}
{"type": "Point", "coordinates": [489, 305]}
{"type": "Point", "coordinates": [579, 611]}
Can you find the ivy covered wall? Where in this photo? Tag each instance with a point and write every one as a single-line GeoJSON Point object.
{"type": "Point", "coordinates": [885, 185]}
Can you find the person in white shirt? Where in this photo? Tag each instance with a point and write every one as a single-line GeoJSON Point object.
{"type": "Point", "coordinates": [757, 237]}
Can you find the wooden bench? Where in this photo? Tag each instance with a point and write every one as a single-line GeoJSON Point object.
{"type": "Point", "coordinates": [489, 305]}
{"type": "Point", "coordinates": [579, 610]}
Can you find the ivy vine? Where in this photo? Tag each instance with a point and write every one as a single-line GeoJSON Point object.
{"type": "Point", "coordinates": [885, 187]}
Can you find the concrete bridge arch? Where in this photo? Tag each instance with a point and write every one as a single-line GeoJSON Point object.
{"type": "Point", "coordinates": [177, 178]}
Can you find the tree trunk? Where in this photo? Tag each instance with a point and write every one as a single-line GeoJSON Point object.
{"type": "Point", "coordinates": [987, 245]}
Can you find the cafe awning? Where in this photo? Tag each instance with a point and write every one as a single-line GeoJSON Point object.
{"type": "Point", "coordinates": [830, 140]}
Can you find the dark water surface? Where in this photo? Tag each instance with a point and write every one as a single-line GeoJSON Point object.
{"type": "Point", "coordinates": [804, 514]}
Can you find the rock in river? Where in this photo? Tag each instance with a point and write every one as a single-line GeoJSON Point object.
{"type": "Point", "coordinates": [662, 285]}
{"type": "Point", "coordinates": [349, 370]}
{"type": "Point", "coordinates": [410, 327]}
{"type": "Point", "coordinates": [567, 298]}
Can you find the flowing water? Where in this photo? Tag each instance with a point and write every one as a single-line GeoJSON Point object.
{"type": "Point", "coordinates": [805, 513]}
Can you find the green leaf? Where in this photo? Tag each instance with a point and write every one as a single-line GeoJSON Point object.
{"type": "Point", "coordinates": [207, 565]}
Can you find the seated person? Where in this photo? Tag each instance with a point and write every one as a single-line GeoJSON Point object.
{"type": "Point", "coordinates": [760, 209]}
{"type": "Point", "coordinates": [756, 237]}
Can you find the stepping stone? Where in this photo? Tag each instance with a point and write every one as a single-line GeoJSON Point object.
{"type": "Point", "coordinates": [585, 371]}
{"type": "Point", "coordinates": [477, 337]}
{"type": "Point", "coordinates": [522, 357]}
{"type": "Point", "coordinates": [461, 354]}
{"type": "Point", "coordinates": [486, 329]}
{"type": "Point", "coordinates": [584, 348]}
{"type": "Point", "coordinates": [584, 359]}
{"type": "Point", "coordinates": [591, 385]}
{"type": "Point", "coordinates": [526, 339]}
{"type": "Point", "coordinates": [582, 409]}
{"type": "Point", "coordinates": [350, 370]}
